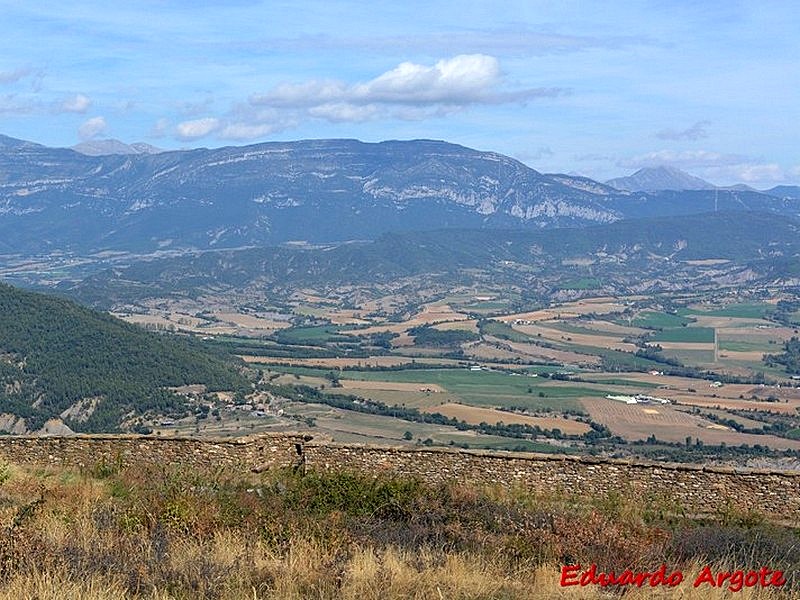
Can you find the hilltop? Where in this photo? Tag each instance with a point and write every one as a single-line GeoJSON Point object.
{"type": "Point", "coordinates": [653, 179]}
{"type": "Point", "coordinates": [90, 370]}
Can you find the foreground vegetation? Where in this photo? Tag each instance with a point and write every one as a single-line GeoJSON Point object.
{"type": "Point", "coordinates": [159, 532]}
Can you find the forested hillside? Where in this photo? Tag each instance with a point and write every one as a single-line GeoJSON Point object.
{"type": "Point", "coordinates": [621, 250]}
{"type": "Point", "coordinates": [55, 354]}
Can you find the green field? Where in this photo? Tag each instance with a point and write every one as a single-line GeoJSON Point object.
{"type": "Point", "coordinates": [743, 311]}
{"type": "Point", "coordinates": [620, 381]}
{"type": "Point", "coordinates": [503, 331]}
{"type": "Point", "coordinates": [736, 346]}
{"type": "Point", "coordinates": [688, 335]}
{"type": "Point", "coordinates": [478, 388]}
{"type": "Point", "coordinates": [657, 320]}
{"type": "Point", "coordinates": [311, 335]}
{"type": "Point", "coordinates": [691, 357]}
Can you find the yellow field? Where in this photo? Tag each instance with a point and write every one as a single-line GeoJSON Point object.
{"type": "Point", "coordinates": [251, 322]}
{"type": "Point", "coordinates": [600, 340]}
{"type": "Point", "coordinates": [470, 325]}
{"type": "Point", "coordinates": [568, 310]}
{"type": "Point", "coordinates": [351, 384]}
{"type": "Point", "coordinates": [475, 416]}
{"type": "Point", "coordinates": [638, 422]}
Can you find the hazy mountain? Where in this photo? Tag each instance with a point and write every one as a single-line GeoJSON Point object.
{"type": "Point", "coordinates": [784, 191]}
{"type": "Point", "coordinates": [315, 190]}
{"type": "Point", "coordinates": [624, 251]}
{"type": "Point", "coordinates": [654, 179]}
{"type": "Point", "coordinates": [739, 187]}
{"type": "Point", "coordinates": [106, 147]}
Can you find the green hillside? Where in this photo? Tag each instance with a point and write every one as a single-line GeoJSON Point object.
{"type": "Point", "coordinates": [54, 353]}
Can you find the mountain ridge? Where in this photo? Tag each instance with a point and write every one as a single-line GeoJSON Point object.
{"type": "Point", "coordinates": [313, 190]}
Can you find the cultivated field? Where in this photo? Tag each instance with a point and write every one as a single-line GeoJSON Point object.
{"type": "Point", "coordinates": [638, 422]}
{"type": "Point", "coordinates": [475, 415]}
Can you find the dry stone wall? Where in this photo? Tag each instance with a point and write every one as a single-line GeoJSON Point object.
{"type": "Point", "coordinates": [246, 453]}
{"type": "Point", "coordinates": [694, 489]}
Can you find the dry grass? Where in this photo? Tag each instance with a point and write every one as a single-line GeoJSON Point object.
{"type": "Point", "coordinates": [167, 534]}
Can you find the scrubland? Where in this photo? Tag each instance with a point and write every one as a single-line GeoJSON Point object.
{"type": "Point", "coordinates": [167, 532]}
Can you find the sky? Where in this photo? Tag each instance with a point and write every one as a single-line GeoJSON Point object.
{"type": "Point", "coordinates": [592, 88]}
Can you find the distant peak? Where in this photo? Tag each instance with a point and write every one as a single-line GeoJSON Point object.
{"type": "Point", "coordinates": [658, 178]}
{"type": "Point", "coordinates": [111, 146]}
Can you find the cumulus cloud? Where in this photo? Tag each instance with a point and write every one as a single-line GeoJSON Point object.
{"type": "Point", "coordinates": [76, 104]}
{"type": "Point", "coordinates": [460, 81]}
{"type": "Point", "coordinates": [197, 128]}
{"type": "Point", "coordinates": [93, 127]}
{"type": "Point", "coordinates": [409, 91]}
{"type": "Point", "coordinates": [695, 132]}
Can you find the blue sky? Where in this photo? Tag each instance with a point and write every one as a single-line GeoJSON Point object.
{"type": "Point", "coordinates": [596, 88]}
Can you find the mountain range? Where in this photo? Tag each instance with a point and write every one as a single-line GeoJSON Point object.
{"type": "Point", "coordinates": [60, 200]}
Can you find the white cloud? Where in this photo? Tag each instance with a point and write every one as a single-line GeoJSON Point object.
{"type": "Point", "coordinates": [749, 173]}
{"type": "Point", "coordinates": [693, 133]}
{"type": "Point", "coordinates": [93, 127]}
{"type": "Point", "coordinates": [460, 81]}
{"type": "Point", "coordinates": [197, 128]}
{"type": "Point", "coordinates": [76, 104]}
{"type": "Point", "coordinates": [340, 112]}
{"type": "Point", "coordinates": [409, 91]}
{"type": "Point", "coordinates": [714, 166]}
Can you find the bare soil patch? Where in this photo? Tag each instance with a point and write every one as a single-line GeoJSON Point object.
{"type": "Point", "coordinates": [475, 415]}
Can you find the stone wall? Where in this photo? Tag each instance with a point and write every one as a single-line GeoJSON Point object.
{"type": "Point", "coordinates": [695, 489]}
{"type": "Point", "coordinates": [89, 451]}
